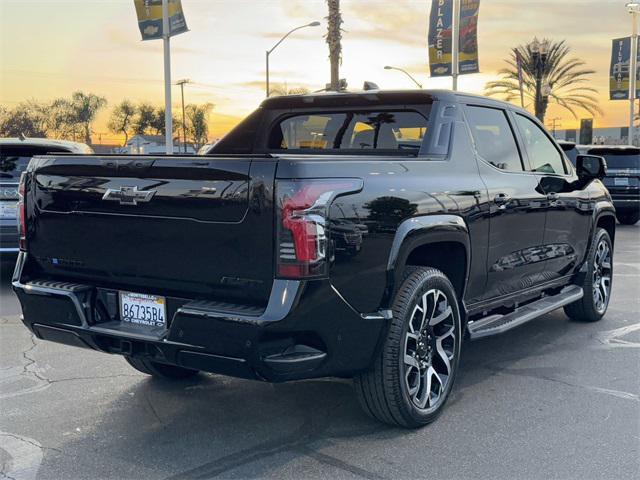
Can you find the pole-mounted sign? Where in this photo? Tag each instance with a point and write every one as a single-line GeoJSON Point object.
{"type": "Point", "coordinates": [162, 19]}
{"type": "Point", "coordinates": [468, 27]}
{"type": "Point", "coordinates": [440, 37]}
{"type": "Point", "coordinates": [453, 38]}
{"type": "Point", "coordinates": [620, 67]}
{"type": "Point", "coordinates": [150, 18]}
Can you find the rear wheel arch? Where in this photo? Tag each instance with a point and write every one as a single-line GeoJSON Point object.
{"type": "Point", "coordinates": [607, 220]}
{"type": "Point", "coordinates": [438, 241]}
{"type": "Point", "coordinates": [450, 257]}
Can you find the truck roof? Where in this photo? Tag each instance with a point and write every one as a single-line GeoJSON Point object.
{"type": "Point", "coordinates": [71, 147]}
{"type": "Point", "coordinates": [376, 97]}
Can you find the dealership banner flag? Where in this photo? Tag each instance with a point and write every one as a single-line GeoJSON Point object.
{"type": "Point", "coordinates": [619, 71]}
{"type": "Point", "coordinates": [468, 44]}
{"type": "Point", "coordinates": [150, 18]}
{"type": "Point", "coordinates": [440, 37]}
{"type": "Point", "coordinates": [638, 70]}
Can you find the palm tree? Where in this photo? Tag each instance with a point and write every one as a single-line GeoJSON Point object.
{"type": "Point", "coordinates": [548, 75]}
{"type": "Point", "coordinates": [334, 38]}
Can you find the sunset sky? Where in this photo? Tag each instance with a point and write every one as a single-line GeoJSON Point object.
{"type": "Point", "coordinates": [49, 48]}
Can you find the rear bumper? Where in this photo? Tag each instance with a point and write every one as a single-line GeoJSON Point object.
{"type": "Point", "coordinates": [307, 330]}
{"type": "Point", "coordinates": [625, 199]}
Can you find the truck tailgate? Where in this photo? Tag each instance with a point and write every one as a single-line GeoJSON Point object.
{"type": "Point", "coordinates": [198, 225]}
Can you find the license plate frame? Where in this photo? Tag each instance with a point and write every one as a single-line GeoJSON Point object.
{"type": "Point", "coordinates": [143, 310]}
{"type": "Point", "coordinates": [8, 209]}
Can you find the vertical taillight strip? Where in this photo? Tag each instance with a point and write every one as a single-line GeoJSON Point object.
{"type": "Point", "coordinates": [22, 213]}
{"type": "Point", "coordinates": [302, 224]}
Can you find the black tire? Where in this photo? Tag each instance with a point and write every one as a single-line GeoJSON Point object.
{"type": "Point", "coordinates": [628, 218]}
{"type": "Point", "coordinates": [384, 391]}
{"type": "Point", "coordinates": [161, 370]}
{"type": "Point", "coordinates": [588, 308]}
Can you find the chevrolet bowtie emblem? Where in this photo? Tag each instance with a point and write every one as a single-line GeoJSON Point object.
{"type": "Point", "coordinates": [128, 195]}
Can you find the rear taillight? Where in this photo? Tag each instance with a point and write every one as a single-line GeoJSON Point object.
{"type": "Point", "coordinates": [303, 237]}
{"type": "Point", "coordinates": [22, 214]}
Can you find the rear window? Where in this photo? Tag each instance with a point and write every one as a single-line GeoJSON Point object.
{"type": "Point", "coordinates": [401, 131]}
{"type": "Point", "coordinates": [14, 160]}
{"type": "Point", "coordinates": [12, 166]}
{"type": "Point", "coordinates": [627, 158]}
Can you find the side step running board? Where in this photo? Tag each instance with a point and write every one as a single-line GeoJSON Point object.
{"type": "Point", "coordinates": [495, 324]}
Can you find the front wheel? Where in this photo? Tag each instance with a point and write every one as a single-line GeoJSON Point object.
{"type": "Point", "coordinates": [411, 378]}
{"type": "Point", "coordinates": [597, 281]}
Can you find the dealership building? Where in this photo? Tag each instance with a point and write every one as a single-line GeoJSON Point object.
{"type": "Point", "coordinates": [600, 136]}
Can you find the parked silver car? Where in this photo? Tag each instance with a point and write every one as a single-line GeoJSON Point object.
{"type": "Point", "coordinates": [15, 154]}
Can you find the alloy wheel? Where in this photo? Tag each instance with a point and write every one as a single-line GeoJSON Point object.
{"type": "Point", "coordinates": [602, 271]}
{"type": "Point", "coordinates": [429, 348]}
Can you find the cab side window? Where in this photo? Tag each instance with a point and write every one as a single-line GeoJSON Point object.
{"type": "Point", "coordinates": [544, 157]}
{"type": "Point", "coordinates": [493, 138]}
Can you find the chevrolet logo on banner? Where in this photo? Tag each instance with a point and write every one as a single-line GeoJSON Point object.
{"type": "Point", "coordinates": [150, 18]}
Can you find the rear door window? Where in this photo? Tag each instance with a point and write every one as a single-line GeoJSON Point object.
{"type": "Point", "coordinates": [401, 131]}
{"type": "Point", "coordinates": [494, 138]}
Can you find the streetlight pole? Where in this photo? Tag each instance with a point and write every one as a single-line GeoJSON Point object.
{"type": "Point", "coordinates": [389, 67]}
{"type": "Point", "coordinates": [268, 52]}
{"type": "Point", "coordinates": [539, 54]}
{"type": "Point", "coordinates": [182, 83]}
{"type": "Point", "coordinates": [166, 40]}
{"type": "Point", "coordinates": [455, 44]}
{"type": "Point", "coordinates": [634, 9]}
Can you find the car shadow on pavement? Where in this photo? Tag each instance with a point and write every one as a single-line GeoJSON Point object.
{"type": "Point", "coordinates": [214, 425]}
{"type": "Point", "coordinates": [204, 428]}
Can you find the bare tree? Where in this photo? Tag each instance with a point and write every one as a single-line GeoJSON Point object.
{"type": "Point", "coordinates": [61, 120]}
{"type": "Point", "coordinates": [334, 40]}
{"type": "Point", "coordinates": [284, 89]}
{"type": "Point", "coordinates": [122, 119]}
{"type": "Point", "coordinates": [26, 118]}
{"type": "Point", "coordinates": [84, 108]}
{"type": "Point", "coordinates": [157, 125]}
{"type": "Point", "coordinates": [145, 118]}
{"type": "Point", "coordinates": [198, 123]}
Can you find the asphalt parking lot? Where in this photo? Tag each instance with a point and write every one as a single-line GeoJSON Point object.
{"type": "Point", "coordinates": [553, 399]}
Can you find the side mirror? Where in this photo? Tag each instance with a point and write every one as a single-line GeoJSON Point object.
{"type": "Point", "coordinates": [590, 167]}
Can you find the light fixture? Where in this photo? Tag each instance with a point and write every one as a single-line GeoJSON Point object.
{"type": "Point", "coordinates": [633, 7]}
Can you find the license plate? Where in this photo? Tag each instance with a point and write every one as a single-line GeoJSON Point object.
{"type": "Point", "coordinates": [621, 181]}
{"type": "Point", "coordinates": [143, 309]}
{"type": "Point", "coordinates": [8, 209]}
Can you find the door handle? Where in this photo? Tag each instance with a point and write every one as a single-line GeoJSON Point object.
{"type": "Point", "coordinates": [501, 198]}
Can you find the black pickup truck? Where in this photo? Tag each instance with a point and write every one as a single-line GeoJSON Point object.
{"type": "Point", "coordinates": [354, 235]}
